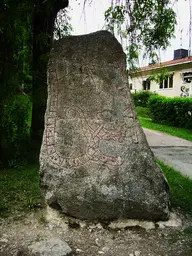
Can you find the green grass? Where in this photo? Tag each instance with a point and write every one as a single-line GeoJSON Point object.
{"type": "Point", "coordinates": [145, 121]}
{"type": "Point", "coordinates": [180, 188]}
{"type": "Point", "coordinates": [19, 189]}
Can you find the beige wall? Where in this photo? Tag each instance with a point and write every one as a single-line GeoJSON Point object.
{"type": "Point", "coordinates": [169, 92]}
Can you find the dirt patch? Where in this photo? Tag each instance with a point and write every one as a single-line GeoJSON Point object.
{"type": "Point", "coordinates": [95, 239]}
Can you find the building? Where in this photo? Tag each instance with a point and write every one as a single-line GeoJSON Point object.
{"type": "Point", "coordinates": [178, 82]}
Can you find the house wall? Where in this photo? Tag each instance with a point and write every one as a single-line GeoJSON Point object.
{"type": "Point", "coordinates": [154, 87]}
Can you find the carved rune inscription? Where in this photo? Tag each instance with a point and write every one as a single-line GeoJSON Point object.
{"type": "Point", "coordinates": [88, 116]}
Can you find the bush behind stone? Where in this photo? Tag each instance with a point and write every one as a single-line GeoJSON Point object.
{"type": "Point", "coordinates": [171, 111]}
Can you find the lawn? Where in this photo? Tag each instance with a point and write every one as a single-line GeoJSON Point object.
{"type": "Point", "coordinates": [19, 189]}
{"type": "Point", "coordinates": [20, 192]}
{"type": "Point", "coordinates": [180, 188]}
{"type": "Point", "coordinates": [145, 121]}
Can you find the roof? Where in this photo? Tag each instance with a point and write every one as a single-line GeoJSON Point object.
{"type": "Point", "coordinates": [167, 63]}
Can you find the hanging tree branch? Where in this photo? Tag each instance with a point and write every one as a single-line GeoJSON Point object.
{"type": "Point", "coordinates": [145, 24]}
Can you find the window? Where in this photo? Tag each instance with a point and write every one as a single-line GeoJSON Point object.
{"type": "Point", "coordinates": [146, 85]}
{"type": "Point", "coordinates": [187, 77]}
{"type": "Point", "coordinates": [171, 81]}
{"type": "Point", "coordinates": [161, 84]}
{"type": "Point", "coordinates": [166, 83]}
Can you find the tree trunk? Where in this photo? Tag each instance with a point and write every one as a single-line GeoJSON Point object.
{"type": "Point", "coordinates": [7, 75]}
{"type": "Point", "coordinates": [43, 25]}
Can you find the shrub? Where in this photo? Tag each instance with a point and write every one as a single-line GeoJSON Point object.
{"type": "Point", "coordinates": [15, 127]}
{"type": "Point", "coordinates": [171, 111]}
{"type": "Point", "coordinates": [143, 112]}
{"type": "Point", "coordinates": [141, 98]}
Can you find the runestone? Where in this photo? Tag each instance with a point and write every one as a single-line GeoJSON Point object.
{"type": "Point", "coordinates": [95, 162]}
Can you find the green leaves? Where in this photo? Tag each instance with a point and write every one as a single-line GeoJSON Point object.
{"type": "Point", "coordinates": [62, 25]}
{"type": "Point", "coordinates": [132, 53]}
{"type": "Point", "coordinates": [171, 111]}
{"type": "Point", "coordinates": [115, 16]}
{"type": "Point", "coordinates": [141, 98]}
{"type": "Point", "coordinates": [162, 75]}
{"type": "Point", "coordinates": [15, 126]}
{"type": "Point", "coordinates": [147, 24]}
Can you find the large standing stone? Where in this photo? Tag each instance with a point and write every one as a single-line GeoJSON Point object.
{"type": "Point", "coordinates": [95, 161]}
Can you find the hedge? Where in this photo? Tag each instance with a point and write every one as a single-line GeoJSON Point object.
{"type": "Point", "coordinates": [171, 111]}
{"type": "Point", "coordinates": [141, 98]}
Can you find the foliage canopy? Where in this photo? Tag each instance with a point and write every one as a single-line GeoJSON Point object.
{"type": "Point", "coordinates": [146, 25]}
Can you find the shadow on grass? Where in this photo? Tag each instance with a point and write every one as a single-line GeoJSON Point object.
{"type": "Point", "coordinates": [19, 189]}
